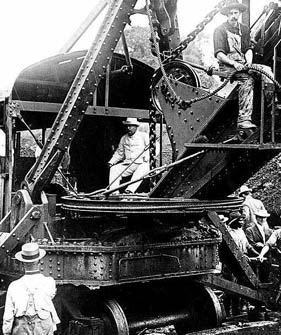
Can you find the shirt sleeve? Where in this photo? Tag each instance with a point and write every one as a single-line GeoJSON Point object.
{"type": "Point", "coordinates": [146, 144]}
{"type": "Point", "coordinates": [220, 41]}
{"type": "Point", "coordinates": [271, 242]}
{"type": "Point", "coordinates": [8, 317]}
{"type": "Point", "coordinates": [119, 154]}
{"type": "Point", "coordinates": [246, 212]}
{"type": "Point", "coordinates": [51, 285]}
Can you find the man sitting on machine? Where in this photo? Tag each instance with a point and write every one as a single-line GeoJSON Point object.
{"type": "Point", "coordinates": [233, 49]}
{"type": "Point", "coordinates": [131, 157]}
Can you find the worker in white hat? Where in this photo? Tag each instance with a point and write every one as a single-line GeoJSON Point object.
{"type": "Point", "coordinates": [29, 309]}
{"type": "Point", "coordinates": [130, 158]}
{"type": "Point", "coordinates": [260, 232]}
{"type": "Point", "coordinates": [250, 206]}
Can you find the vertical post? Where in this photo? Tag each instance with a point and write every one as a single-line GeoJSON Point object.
{"type": "Point", "coordinates": [9, 163]}
{"type": "Point", "coordinates": [262, 111]}
{"type": "Point", "coordinates": [152, 143]}
{"type": "Point", "coordinates": [43, 135]}
{"type": "Point", "coordinates": [107, 87]}
{"type": "Point", "coordinates": [161, 140]}
{"type": "Point", "coordinates": [246, 16]}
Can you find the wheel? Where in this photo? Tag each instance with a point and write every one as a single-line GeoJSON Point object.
{"type": "Point", "coordinates": [205, 311]}
{"type": "Point", "coordinates": [115, 321]}
{"type": "Point", "coordinates": [177, 70]}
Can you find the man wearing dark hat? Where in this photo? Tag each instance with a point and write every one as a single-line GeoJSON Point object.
{"type": "Point", "coordinates": [233, 49]}
{"type": "Point", "coordinates": [235, 229]}
{"type": "Point", "coordinates": [130, 158]}
{"type": "Point", "coordinates": [29, 309]}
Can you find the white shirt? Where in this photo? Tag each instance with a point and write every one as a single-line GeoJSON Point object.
{"type": "Point", "coordinates": [251, 206]}
{"type": "Point", "coordinates": [130, 147]}
{"type": "Point", "coordinates": [42, 289]}
{"type": "Point", "coordinates": [240, 239]}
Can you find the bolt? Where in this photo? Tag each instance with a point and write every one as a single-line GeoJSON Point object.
{"type": "Point", "coordinates": [17, 199]}
{"type": "Point", "coordinates": [35, 215]}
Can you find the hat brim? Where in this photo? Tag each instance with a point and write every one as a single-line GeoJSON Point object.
{"type": "Point", "coordinates": [18, 256]}
{"type": "Point", "coordinates": [239, 6]}
{"type": "Point", "coordinates": [263, 216]}
{"type": "Point", "coordinates": [249, 190]}
{"type": "Point", "coordinates": [131, 124]}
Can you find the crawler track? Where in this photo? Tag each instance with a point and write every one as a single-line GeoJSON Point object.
{"type": "Point", "coordinates": [143, 205]}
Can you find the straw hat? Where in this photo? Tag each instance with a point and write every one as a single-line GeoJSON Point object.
{"type": "Point", "coordinates": [263, 213]}
{"type": "Point", "coordinates": [131, 121]}
{"type": "Point", "coordinates": [233, 4]}
{"type": "Point", "coordinates": [243, 189]}
{"type": "Point", "coordinates": [30, 252]}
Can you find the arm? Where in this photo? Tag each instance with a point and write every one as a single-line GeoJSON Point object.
{"type": "Point", "coordinates": [250, 237]}
{"type": "Point", "coordinates": [247, 45]}
{"type": "Point", "coordinates": [249, 57]}
{"type": "Point", "coordinates": [246, 212]}
{"type": "Point", "coordinates": [263, 252]}
{"type": "Point", "coordinates": [51, 286]}
{"type": "Point", "coordinates": [221, 48]}
{"type": "Point", "coordinates": [224, 59]}
{"type": "Point", "coordinates": [119, 154]}
{"type": "Point", "coordinates": [269, 243]}
{"type": "Point", "coordinates": [252, 249]}
{"type": "Point", "coordinates": [146, 144]}
{"type": "Point", "coordinates": [8, 317]}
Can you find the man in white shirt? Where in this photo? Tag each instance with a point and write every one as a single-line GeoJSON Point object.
{"type": "Point", "coordinates": [130, 158]}
{"type": "Point", "coordinates": [249, 206]}
{"type": "Point", "coordinates": [29, 309]}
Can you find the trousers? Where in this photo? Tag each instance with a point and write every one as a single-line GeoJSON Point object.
{"type": "Point", "coordinates": [135, 170]}
{"type": "Point", "coordinates": [25, 325]}
{"type": "Point", "coordinates": [246, 91]}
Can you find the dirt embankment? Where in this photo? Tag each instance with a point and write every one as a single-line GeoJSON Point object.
{"type": "Point", "coordinates": [266, 185]}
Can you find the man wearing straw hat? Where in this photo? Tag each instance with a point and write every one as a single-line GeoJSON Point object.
{"type": "Point", "coordinates": [259, 232]}
{"type": "Point", "coordinates": [250, 206]}
{"type": "Point", "coordinates": [130, 158]}
{"type": "Point", "coordinates": [29, 309]}
{"type": "Point", "coordinates": [233, 49]}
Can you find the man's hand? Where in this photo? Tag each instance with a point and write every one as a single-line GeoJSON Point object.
{"type": "Point", "coordinates": [238, 66]}
{"type": "Point", "coordinates": [259, 244]}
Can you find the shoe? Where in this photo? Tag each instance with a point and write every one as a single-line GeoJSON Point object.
{"type": "Point", "coordinates": [245, 125]}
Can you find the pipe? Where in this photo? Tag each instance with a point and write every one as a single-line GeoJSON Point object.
{"type": "Point", "coordinates": [159, 321]}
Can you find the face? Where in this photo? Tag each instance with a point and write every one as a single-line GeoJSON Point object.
{"type": "Point", "coordinates": [233, 16]}
{"type": "Point", "coordinates": [244, 195]}
{"type": "Point", "coordinates": [131, 130]}
{"type": "Point", "coordinates": [261, 220]}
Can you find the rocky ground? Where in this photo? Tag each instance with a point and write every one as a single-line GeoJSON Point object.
{"type": "Point", "coordinates": [266, 185]}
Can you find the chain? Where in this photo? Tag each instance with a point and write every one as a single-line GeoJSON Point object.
{"type": "Point", "coordinates": [200, 27]}
{"type": "Point", "coordinates": [157, 50]}
{"type": "Point", "coordinates": [152, 142]}
{"type": "Point", "coordinates": [167, 89]}
{"type": "Point", "coordinates": [184, 104]}
{"type": "Point", "coordinates": [183, 45]}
